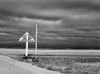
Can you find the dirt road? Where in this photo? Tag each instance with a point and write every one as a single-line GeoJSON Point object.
{"type": "Point", "coordinates": [10, 66]}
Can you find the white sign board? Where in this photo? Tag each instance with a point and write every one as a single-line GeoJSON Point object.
{"type": "Point", "coordinates": [24, 38]}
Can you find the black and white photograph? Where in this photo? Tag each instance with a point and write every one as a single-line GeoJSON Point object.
{"type": "Point", "coordinates": [49, 36]}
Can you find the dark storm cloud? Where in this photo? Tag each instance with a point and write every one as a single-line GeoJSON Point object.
{"type": "Point", "coordinates": [60, 20]}
{"type": "Point", "coordinates": [35, 8]}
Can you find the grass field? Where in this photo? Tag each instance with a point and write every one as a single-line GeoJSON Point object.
{"type": "Point", "coordinates": [68, 64]}
{"type": "Point", "coordinates": [64, 61]}
{"type": "Point", "coordinates": [51, 52]}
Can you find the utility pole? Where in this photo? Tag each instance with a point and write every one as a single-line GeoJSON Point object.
{"type": "Point", "coordinates": [36, 38]}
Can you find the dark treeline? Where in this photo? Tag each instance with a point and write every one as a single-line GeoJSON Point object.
{"type": "Point", "coordinates": [51, 46]}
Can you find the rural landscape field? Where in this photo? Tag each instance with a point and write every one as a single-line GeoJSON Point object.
{"type": "Point", "coordinates": [49, 36]}
{"type": "Point", "coordinates": [65, 62]}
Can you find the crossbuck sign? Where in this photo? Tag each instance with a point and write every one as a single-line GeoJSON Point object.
{"type": "Point", "coordinates": [26, 38]}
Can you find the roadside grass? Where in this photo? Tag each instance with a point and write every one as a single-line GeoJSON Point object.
{"type": "Point", "coordinates": [70, 65]}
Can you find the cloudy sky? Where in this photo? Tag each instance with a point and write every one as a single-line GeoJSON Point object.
{"type": "Point", "coordinates": [68, 22]}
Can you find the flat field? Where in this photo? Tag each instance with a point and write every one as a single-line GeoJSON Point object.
{"type": "Point", "coordinates": [64, 61]}
{"type": "Point", "coordinates": [51, 52]}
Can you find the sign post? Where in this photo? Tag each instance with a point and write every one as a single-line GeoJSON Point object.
{"type": "Point", "coordinates": [26, 45]}
{"type": "Point", "coordinates": [26, 38]}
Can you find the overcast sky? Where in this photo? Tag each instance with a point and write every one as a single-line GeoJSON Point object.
{"type": "Point", "coordinates": [61, 21]}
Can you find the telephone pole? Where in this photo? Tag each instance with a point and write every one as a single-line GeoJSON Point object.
{"type": "Point", "coordinates": [36, 38]}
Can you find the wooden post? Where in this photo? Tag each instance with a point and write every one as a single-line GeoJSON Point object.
{"type": "Point", "coordinates": [36, 38]}
{"type": "Point", "coordinates": [26, 52]}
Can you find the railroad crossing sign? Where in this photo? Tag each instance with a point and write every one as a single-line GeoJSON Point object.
{"type": "Point", "coordinates": [26, 38]}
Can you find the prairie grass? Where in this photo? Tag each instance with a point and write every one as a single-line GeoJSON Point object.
{"type": "Point", "coordinates": [69, 65]}
{"type": "Point", "coordinates": [87, 68]}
